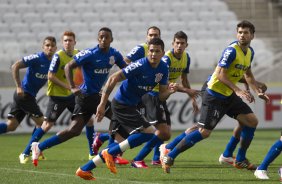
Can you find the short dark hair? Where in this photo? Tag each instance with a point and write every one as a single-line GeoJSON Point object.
{"type": "Point", "coordinates": [106, 29]}
{"type": "Point", "coordinates": [50, 38]}
{"type": "Point", "coordinates": [154, 27]}
{"type": "Point", "coordinates": [157, 41]}
{"type": "Point", "coordinates": [246, 24]}
{"type": "Point", "coordinates": [180, 34]}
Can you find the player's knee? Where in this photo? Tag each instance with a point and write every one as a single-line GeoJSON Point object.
{"type": "Point", "coordinates": [205, 133]}
{"type": "Point", "coordinates": [74, 132]}
{"type": "Point", "coordinates": [165, 136]}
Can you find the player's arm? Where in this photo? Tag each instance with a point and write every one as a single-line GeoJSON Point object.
{"type": "Point", "coordinates": [166, 90]}
{"type": "Point", "coordinates": [52, 77]}
{"type": "Point", "coordinates": [69, 76]}
{"type": "Point", "coordinates": [108, 88]}
{"type": "Point", "coordinates": [128, 61]}
{"type": "Point", "coordinates": [16, 76]}
{"type": "Point", "coordinates": [254, 85]}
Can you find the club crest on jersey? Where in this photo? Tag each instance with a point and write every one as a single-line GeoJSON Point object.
{"type": "Point", "coordinates": [112, 60]}
{"type": "Point", "coordinates": [158, 77]}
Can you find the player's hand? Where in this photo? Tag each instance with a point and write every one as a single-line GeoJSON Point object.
{"type": "Point", "coordinates": [100, 113]}
{"type": "Point", "coordinates": [264, 97]}
{"type": "Point", "coordinates": [262, 87]}
{"type": "Point", "coordinates": [252, 97]}
{"type": "Point", "coordinates": [76, 91]}
{"type": "Point", "coordinates": [173, 87]}
{"type": "Point", "coordinates": [193, 93]}
{"type": "Point", "coordinates": [20, 92]}
{"type": "Point", "coordinates": [244, 95]}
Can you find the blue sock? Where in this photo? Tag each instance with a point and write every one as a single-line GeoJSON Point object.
{"type": "Point", "coordinates": [104, 137]}
{"type": "Point", "coordinates": [148, 148]}
{"type": "Point", "coordinates": [36, 136]}
{"type": "Point", "coordinates": [175, 141]}
{"type": "Point", "coordinates": [157, 153]}
{"type": "Point", "coordinates": [189, 140]}
{"type": "Point", "coordinates": [34, 130]}
{"type": "Point", "coordinates": [48, 143]}
{"type": "Point", "coordinates": [88, 166]}
{"type": "Point", "coordinates": [111, 142]}
{"type": "Point", "coordinates": [89, 135]}
{"type": "Point", "coordinates": [247, 135]}
{"type": "Point", "coordinates": [133, 140]}
{"type": "Point", "coordinates": [274, 151]}
{"type": "Point", "coordinates": [3, 127]}
{"type": "Point", "coordinates": [230, 147]}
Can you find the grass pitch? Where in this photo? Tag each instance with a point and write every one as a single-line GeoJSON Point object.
{"type": "Point", "coordinates": [197, 165]}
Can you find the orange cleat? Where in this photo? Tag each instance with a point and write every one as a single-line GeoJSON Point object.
{"type": "Point", "coordinates": [87, 175]}
{"type": "Point", "coordinates": [109, 159]}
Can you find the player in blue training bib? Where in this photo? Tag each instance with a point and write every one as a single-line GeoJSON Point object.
{"type": "Point", "coordinates": [128, 124]}
{"type": "Point", "coordinates": [26, 90]}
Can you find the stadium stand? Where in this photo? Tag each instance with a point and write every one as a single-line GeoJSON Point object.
{"type": "Point", "coordinates": [210, 25]}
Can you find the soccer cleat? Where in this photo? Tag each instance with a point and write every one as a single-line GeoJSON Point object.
{"type": "Point", "coordinates": [109, 159]}
{"type": "Point", "coordinates": [156, 162]}
{"type": "Point", "coordinates": [121, 161]}
{"type": "Point", "coordinates": [90, 157]}
{"type": "Point", "coordinates": [23, 158]}
{"type": "Point", "coordinates": [226, 160]}
{"type": "Point", "coordinates": [35, 153]}
{"type": "Point", "coordinates": [41, 156]}
{"type": "Point", "coordinates": [163, 151]}
{"type": "Point", "coordinates": [167, 163]}
{"type": "Point", "coordinates": [139, 164]}
{"type": "Point", "coordinates": [261, 174]}
{"type": "Point", "coordinates": [97, 143]}
{"type": "Point", "coordinates": [87, 175]}
{"type": "Point", "coordinates": [280, 173]}
{"type": "Point", "coordinates": [245, 164]}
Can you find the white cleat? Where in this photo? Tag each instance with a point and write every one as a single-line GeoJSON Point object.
{"type": "Point", "coordinates": [261, 174]}
{"type": "Point", "coordinates": [35, 153]}
{"type": "Point", "coordinates": [23, 158]}
{"type": "Point", "coordinates": [280, 174]}
{"type": "Point", "coordinates": [226, 160]}
{"type": "Point", "coordinates": [163, 151]}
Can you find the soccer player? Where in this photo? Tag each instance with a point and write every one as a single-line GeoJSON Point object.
{"type": "Point", "coordinates": [138, 52]}
{"type": "Point", "coordinates": [96, 64]}
{"type": "Point", "coordinates": [222, 96]}
{"type": "Point", "coordinates": [60, 96]}
{"type": "Point", "coordinates": [155, 110]}
{"type": "Point", "coordinates": [26, 90]}
{"type": "Point", "coordinates": [273, 153]}
{"type": "Point", "coordinates": [137, 79]}
{"type": "Point", "coordinates": [227, 156]}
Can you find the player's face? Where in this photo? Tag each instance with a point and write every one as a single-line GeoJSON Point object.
{"type": "Point", "coordinates": [152, 33]}
{"type": "Point", "coordinates": [155, 53]}
{"type": "Point", "coordinates": [244, 36]}
{"type": "Point", "coordinates": [49, 48]}
{"type": "Point", "coordinates": [179, 45]}
{"type": "Point", "coordinates": [68, 43]}
{"type": "Point", "coordinates": [104, 38]}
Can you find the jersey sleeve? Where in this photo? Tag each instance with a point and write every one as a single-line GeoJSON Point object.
{"type": "Point", "coordinates": [30, 59]}
{"type": "Point", "coordinates": [166, 59]}
{"type": "Point", "coordinates": [187, 69]}
{"type": "Point", "coordinates": [164, 80]}
{"type": "Point", "coordinates": [228, 56]}
{"type": "Point", "coordinates": [132, 69]}
{"type": "Point", "coordinates": [119, 60]}
{"type": "Point", "coordinates": [82, 57]}
{"type": "Point", "coordinates": [252, 54]}
{"type": "Point", "coordinates": [55, 63]}
{"type": "Point", "coordinates": [136, 53]}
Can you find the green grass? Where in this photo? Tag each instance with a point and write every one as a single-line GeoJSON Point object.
{"type": "Point", "coordinates": [197, 165]}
